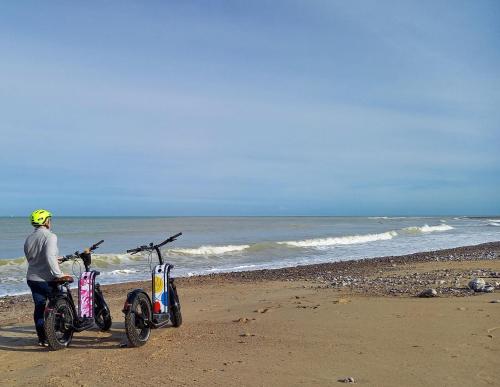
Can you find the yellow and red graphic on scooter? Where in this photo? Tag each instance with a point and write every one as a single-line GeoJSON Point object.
{"type": "Point", "coordinates": [160, 288]}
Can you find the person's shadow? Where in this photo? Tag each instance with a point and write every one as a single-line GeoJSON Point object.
{"type": "Point", "coordinates": [22, 338]}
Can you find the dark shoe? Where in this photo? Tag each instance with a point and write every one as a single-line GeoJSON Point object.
{"type": "Point", "coordinates": [42, 343]}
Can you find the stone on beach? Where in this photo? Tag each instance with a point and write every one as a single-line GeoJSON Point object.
{"type": "Point", "coordinates": [477, 284]}
{"type": "Point", "coordinates": [428, 293]}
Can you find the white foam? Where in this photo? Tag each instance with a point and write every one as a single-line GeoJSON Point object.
{"type": "Point", "coordinates": [345, 240]}
{"type": "Point", "coordinates": [211, 250]}
{"type": "Point", "coordinates": [426, 228]}
{"type": "Point", "coordinates": [14, 293]}
{"type": "Point", "coordinates": [387, 217]}
{"type": "Point", "coordinates": [122, 272]}
{"type": "Point", "coordinates": [228, 269]}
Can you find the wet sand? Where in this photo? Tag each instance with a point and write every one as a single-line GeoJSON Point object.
{"type": "Point", "coordinates": [309, 325]}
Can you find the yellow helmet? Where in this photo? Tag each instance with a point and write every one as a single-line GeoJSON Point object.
{"type": "Point", "coordinates": [39, 217]}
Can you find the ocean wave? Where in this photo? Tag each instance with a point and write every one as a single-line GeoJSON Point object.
{"type": "Point", "coordinates": [105, 261]}
{"type": "Point", "coordinates": [344, 240]}
{"type": "Point", "coordinates": [211, 250]}
{"type": "Point", "coordinates": [122, 272]}
{"type": "Point", "coordinates": [388, 217]}
{"type": "Point", "coordinates": [14, 262]}
{"type": "Point", "coordinates": [494, 224]}
{"type": "Point", "coordinates": [426, 228]}
{"type": "Point", "coordinates": [261, 246]}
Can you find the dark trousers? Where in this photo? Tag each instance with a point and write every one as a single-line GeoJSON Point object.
{"type": "Point", "coordinates": [40, 291]}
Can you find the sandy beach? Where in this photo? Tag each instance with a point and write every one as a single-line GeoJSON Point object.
{"type": "Point", "coordinates": [320, 178]}
{"type": "Point", "coordinates": [309, 325]}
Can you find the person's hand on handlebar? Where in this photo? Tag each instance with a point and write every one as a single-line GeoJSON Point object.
{"type": "Point", "coordinates": [85, 252]}
{"type": "Point", "coordinates": [59, 261]}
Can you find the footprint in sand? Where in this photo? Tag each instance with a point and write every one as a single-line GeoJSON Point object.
{"type": "Point", "coordinates": [308, 306]}
{"type": "Point", "coordinates": [242, 320]}
{"type": "Point", "coordinates": [490, 335]}
{"type": "Point", "coordinates": [342, 301]}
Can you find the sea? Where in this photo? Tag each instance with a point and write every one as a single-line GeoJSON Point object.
{"type": "Point", "coordinates": [224, 244]}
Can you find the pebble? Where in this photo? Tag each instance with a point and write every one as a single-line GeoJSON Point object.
{"type": "Point", "coordinates": [477, 284]}
{"type": "Point", "coordinates": [428, 293]}
{"type": "Point", "coordinates": [495, 302]}
{"type": "Point", "coordinates": [349, 379]}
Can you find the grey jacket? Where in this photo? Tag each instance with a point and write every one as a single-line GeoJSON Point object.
{"type": "Point", "coordinates": [41, 252]}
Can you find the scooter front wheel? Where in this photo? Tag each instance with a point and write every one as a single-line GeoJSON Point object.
{"type": "Point", "coordinates": [176, 316]}
{"type": "Point", "coordinates": [59, 318]}
{"type": "Point", "coordinates": [137, 320]}
{"type": "Point", "coordinates": [102, 314]}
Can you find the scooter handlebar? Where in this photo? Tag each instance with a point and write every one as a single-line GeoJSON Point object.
{"type": "Point", "coordinates": [96, 245]}
{"type": "Point", "coordinates": [151, 246]}
{"type": "Point", "coordinates": [170, 239]}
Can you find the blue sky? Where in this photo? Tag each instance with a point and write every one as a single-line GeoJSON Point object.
{"type": "Point", "coordinates": [250, 107]}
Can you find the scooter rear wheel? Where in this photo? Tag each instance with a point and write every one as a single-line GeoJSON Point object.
{"type": "Point", "coordinates": [137, 320]}
{"type": "Point", "coordinates": [58, 324]}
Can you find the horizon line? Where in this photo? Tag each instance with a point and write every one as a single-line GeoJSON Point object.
{"type": "Point", "coordinates": [264, 216]}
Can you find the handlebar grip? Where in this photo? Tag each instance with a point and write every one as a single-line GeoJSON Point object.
{"type": "Point", "coordinates": [170, 239]}
{"type": "Point", "coordinates": [133, 250]}
{"type": "Point", "coordinates": [96, 245]}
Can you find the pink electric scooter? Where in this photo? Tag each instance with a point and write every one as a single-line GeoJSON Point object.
{"type": "Point", "coordinates": [62, 318]}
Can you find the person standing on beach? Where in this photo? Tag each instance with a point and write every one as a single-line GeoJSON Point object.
{"type": "Point", "coordinates": [41, 252]}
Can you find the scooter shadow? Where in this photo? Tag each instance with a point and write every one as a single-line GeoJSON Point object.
{"type": "Point", "coordinates": [23, 339]}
